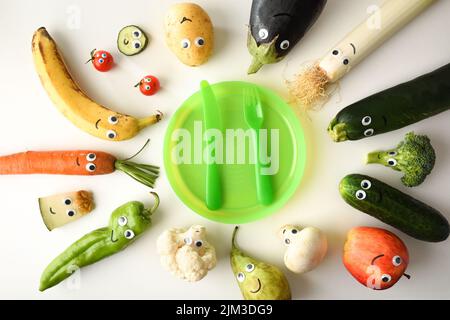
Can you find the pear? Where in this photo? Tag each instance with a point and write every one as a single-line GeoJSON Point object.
{"type": "Point", "coordinates": [256, 279]}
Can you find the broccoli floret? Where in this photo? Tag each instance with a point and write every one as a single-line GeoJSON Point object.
{"type": "Point", "coordinates": [414, 156]}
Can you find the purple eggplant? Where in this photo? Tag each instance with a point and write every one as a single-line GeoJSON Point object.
{"type": "Point", "coordinates": [276, 26]}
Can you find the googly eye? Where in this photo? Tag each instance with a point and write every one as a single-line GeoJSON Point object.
{"type": "Point", "coordinates": [369, 132]}
{"type": "Point", "coordinates": [360, 195]}
{"type": "Point", "coordinates": [136, 44]}
{"type": "Point", "coordinates": [129, 234]}
{"type": "Point", "coordinates": [366, 184]}
{"type": "Point", "coordinates": [335, 52]}
{"type": "Point", "coordinates": [122, 221]}
{"type": "Point", "coordinates": [91, 156]}
{"type": "Point", "coordinates": [137, 34]}
{"type": "Point", "coordinates": [148, 80]}
{"type": "Point", "coordinates": [67, 201]}
{"type": "Point", "coordinates": [185, 43]}
{"type": "Point", "coordinates": [250, 267]}
{"type": "Point", "coordinates": [104, 56]}
{"type": "Point", "coordinates": [147, 87]}
{"type": "Point", "coordinates": [188, 240]}
{"type": "Point", "coordinates": [386, 278]}
{"type": "Point", "coordinates": [392, 162]}
{"type": "Point", "coordinates": [90, 167]}
{"type": "Point", "coordinates": [101, 61]}
{"type": "Point", "coordinates": [199, 42]}
{"type": "Point", "coordinates": [366, 120]}
{"type": "Point", "coordinates": [113, 119]}
{"type": "Point", "coordinates": [198, 243]}
{"type": "Point", "coordinates": [263, 34]}
{"type": "Point", "coordinates": [345, 62]}
{"type": "Point", "coordinates": [294, 231]}
{"type": "Point", "coordinates": [285, 45]}
{"type": "Point", "coordinates": [240, 277]}
{"type": "Point", "coordinates": [111, 134]}
{"type": "Point", "coordinates": [71, 212]}
{"type": "Point", "coordinates": [397, 260]}
{"type": "Point", "coordinates": [287, 241]}
{"type": "Point", "coordinates": [392, 153]}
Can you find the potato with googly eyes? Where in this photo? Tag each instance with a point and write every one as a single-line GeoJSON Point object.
{"type": "Point", "coordinates": [189, 33]}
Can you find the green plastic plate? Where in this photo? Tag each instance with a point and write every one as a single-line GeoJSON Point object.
{"type": "Point", "coordinates": [186, 169]}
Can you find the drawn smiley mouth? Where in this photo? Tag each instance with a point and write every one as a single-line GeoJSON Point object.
{"type": "Point", "coordinates": [259, 287]}
{"type": "Point", "coordinates": [78, 161]}
{"type": "Point", "coordinates": [354, 48]}
{"type": "Point", "coordinates": [112, 237]}
{"type": "Point", "coordinates": [377, 257]}
{"type": "Point", "coordinates": [96, 124]}
{"type": "Point", "coordinates": [282, 14]}
{"type": "Point", "coordinates": [185, 19]}
{"type": "Point", "coordinates": [51, 211]}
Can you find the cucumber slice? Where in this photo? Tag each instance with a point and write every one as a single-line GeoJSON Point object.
{"type": "Point", "coordinates": [60, 209]}
{"type": "Point", "coordinates": [131, 40]}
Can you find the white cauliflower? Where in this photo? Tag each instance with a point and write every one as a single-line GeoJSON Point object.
{"type": "Point", "coordinates": [186, 253]}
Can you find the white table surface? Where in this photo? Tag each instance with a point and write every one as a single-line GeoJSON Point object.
{"type": "Point", "coordinates": [31, 122]}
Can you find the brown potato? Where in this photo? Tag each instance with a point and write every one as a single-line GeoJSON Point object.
{"type": "Point", "coordinates": [189, 33]}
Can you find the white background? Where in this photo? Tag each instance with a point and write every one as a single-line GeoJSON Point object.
{"type": "Point", "coordinates": [31, 122]}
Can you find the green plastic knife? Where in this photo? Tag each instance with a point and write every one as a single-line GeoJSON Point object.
{"type": "Point", "coordinates": [211, 114]}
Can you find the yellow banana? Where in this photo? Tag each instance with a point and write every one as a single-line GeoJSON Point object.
{"type": "Point", "coordinates": [73, 103]}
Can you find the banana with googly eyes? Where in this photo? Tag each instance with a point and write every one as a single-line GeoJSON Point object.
{"type": "Point", "coordinates": [73, 103]}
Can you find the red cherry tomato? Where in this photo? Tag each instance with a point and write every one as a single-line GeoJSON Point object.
{"type": "Point", "coordinates": [102, 60]}
{"type": "Point", "coordinates": [149, 85]}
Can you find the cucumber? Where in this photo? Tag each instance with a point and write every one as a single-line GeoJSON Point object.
{"type": "Point", "coordinates": [131, 40]}
{"type": "Point", "coordinates": [394, 108]}
{"type": "Point", "coordinates": [394, 207]}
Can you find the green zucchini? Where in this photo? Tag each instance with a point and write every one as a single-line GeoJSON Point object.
{"type": "Point", "coordinates": [394, 108]}
{"type": "Point", "coordinates": [394, 207]}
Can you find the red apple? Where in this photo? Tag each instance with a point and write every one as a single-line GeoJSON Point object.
{"type": "Point", "coordinates": [375, 257]}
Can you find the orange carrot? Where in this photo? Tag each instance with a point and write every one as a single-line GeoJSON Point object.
{"type": "Point", "coordinates": [76, 162]}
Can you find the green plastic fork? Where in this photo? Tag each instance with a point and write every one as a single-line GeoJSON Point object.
{"type": "Point", "coordinates": [254, 117]}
